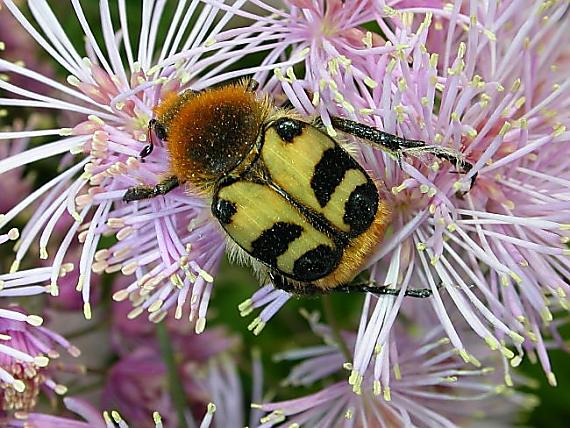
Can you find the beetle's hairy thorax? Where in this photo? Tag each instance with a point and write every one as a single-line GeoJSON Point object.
{"type": "Point", "coordinates": [211, 133]}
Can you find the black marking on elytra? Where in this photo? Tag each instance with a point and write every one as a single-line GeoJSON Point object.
{"type": "Point", "coordinates": [361, 207]}
{"type": "Point", "coordinates": [224, 210]}
{"type": "Point", "coordinates": [317, 220]}
{"type": "Point", "coordinates": [329, 172]}
{"type": "Point", "coordinates": [274, 242]}
{"type": "Point", "coordinates": [288, 128]}
{"type": "Point", "coordinates": [316, 263]}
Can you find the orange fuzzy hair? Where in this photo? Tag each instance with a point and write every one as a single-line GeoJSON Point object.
{"type": "Point", "coordinates": [211, 132]}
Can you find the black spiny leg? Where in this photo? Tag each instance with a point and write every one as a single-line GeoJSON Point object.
{"type": "Point", "coordinates": [307, 289]}
{"type": "Point", "coordinates": [389, 142]}
{"type": "Point", "coordinates": [400, 146]}
{"type": "Point", "coordinates": [146, 192]}
{"type": "Point", "coordinates": [382, 290]}
{"type": "Point", "coordinates": [281, 282]}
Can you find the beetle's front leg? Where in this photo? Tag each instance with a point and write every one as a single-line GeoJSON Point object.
{"type": "Point", "coordinates": [138, 193]}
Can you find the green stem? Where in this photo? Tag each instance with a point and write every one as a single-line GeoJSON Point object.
{"type": "Point", "coordinates": [331, 320]}
{"type": "Point", "coordinates": [82, 389]}
{"type": "Point", "coordinates": [174, 384]}
{"type": "Point", "coordinates": [90, 328]}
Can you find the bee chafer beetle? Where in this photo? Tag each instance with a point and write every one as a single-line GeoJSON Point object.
{"type": "Point", "coordinates": [292, 201]}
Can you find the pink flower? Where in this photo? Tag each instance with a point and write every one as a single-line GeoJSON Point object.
{"type": "Point", "coordinates": [16, 46]}
{"type": "Point", "coordinates": [485, 79]}
{"type": "Point", "coordinates": [92, 417]}
{"type": "Point", "coordinates": [68, 298]}
{"type": "Point", "coordinates": [26, 352]}
{"type": "Point", "coordinates": [170, 244]}
{"type": "Point", "coordinates": [109, 419]}
{"type": "Point", "coordinates": [488, 81]}
{"type": "Point", "coordinates": [13, 184]}
{"type": "Point", "coordinates": [129, 332]}
{"type": "Point", "coordinates": [136, 385]}
{"type": "Point", "coordinates": [428, 385]}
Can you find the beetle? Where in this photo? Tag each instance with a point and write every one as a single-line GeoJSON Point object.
{"type": "Point", "coordinates": [292, 201]}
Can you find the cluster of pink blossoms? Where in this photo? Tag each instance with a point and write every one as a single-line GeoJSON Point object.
{"type": "Point", "coordinates": [487, 79]}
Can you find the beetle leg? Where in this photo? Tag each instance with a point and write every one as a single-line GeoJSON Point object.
{"type": "Point", "coordinates": [398, 146]}
{"type": "Point", "coordinates": [382, 290]}
{"type": "Point", "coordinates": [282, 283]}
{"type": "Point", "coordinates": [446, 154]}
{"type": "Point", "coordinates": [147, 150]}
{"type": "Point", "coordinates": [146, 192]}
{"type": "Point", "coordinates": [279, 281]}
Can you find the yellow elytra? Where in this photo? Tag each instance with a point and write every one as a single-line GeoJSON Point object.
{"type": "Point", "coordinates": [305, 208]}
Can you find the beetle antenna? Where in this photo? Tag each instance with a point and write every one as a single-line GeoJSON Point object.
{"type": "Point", "coordinates": [147, 150]}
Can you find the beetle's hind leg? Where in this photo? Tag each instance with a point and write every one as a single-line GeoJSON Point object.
{"type": "Point", "coordinates": [307, 289]}
{"type": "Point", "coordinates": [146, 192]}
{"type": "Point", "coordinates": [446, 154]}
{"type": "Point", "coordinates": [283, 283]}
{"type": "Point", "coordinates": [398, 146]}
{"type": "Point", "coordinates": [382, 290]}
